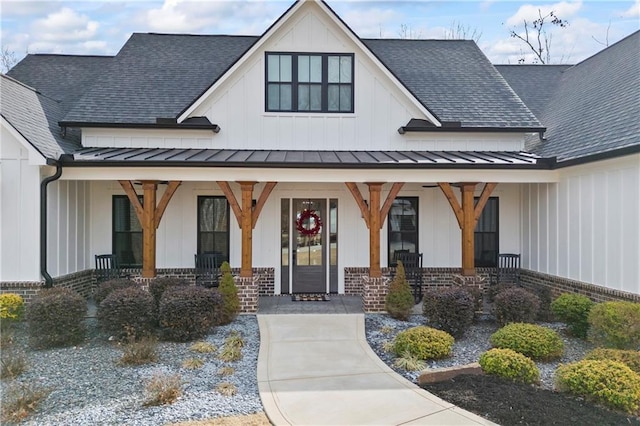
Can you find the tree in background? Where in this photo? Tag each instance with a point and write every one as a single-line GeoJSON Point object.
{"type": "Point", "coordinates": [458, 31]}
{"type": "Point", "coordinates": [7, 59]}
{"type": "Point", "coordinates": [536, 36]}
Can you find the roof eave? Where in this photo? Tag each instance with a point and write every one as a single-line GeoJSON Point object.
{"type": "Point", "coordinates": [179, 126]}
{"type": "Point", "coordinates": [407, 129]}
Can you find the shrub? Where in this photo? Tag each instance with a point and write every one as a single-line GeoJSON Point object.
{"type": "Point", "coordinates": [192, 363]}
{"type": "Point", "coordinates": [127, 313]}
{"type": "Point", "coordinates": [615, 325]}
{"type": "Point", "coordinates": [21, 399]}
{"type": "Point", "coordinates": [229, 293]}
{"type": "Point", "coordinates": [13, 363]}
{"type": "Point", "coordinates": [230, 353]}
{"type": "Point", "coordinates": [163, 389]}
{"type": "Point", "coordinates": [607, 382]}
{"type": "Point", "coordinates": [107, 287]}
{"type": "Point", "coordinates": [531, 340]}
{"type": "Point", "coordinates": [424, 342]}
{"type": "Point", "coordinates": [56, 318]}
{"type": "Point", "coordinates": [139, 352]}
{"type": "Point", "coordinates": [516, 305]}
{"type": "Point", "coordinates": [510, 365]}
{"type": "Point", "coordinates": [226, 371]}
{"type": "Point", "coordinates": [11, 309]}
{"type": "Point", "coordinates": [409, 362]}
{"type": "Point", "coordinates": [573, 309]}
{"type": "Point", "coordinates": [629, 358]}
{"type": "Point", "coordinates": [159, 285]}
{"type": "Point", "coordinates": [399, 301]}
{"type": "Point", "coordinates": [188, 313]}
{"type": "Point", "coordinates": [450, 309]}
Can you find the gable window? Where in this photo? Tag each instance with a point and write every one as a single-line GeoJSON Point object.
{"type": "Point", "coordinates": [309, 82]}
{"type": "Point", "coordinates": [126, 232]}
{"type": "Point", "coordinates": [213, 227]}
{"type": "Point", "coordinates": [403, 227]}
{"type": "Point", "coordinates": [486, 235]}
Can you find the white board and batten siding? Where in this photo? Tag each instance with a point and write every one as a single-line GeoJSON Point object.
{"type": "Point", "coordinates": [237, 105]}
{"type": "Point", "coordinates": [586, 226]}
{"type": "Point", "coordinates": [439, 235]}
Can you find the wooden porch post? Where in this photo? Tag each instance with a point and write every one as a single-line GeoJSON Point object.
{"type": "Point", "coordinates": [467, 216]}
{"type": "Point", "coordinates": [149, 216]}
{"type": "Point", "coordinates": [246, 225]}
{"type": "Point", "coordinates": [374, 229]}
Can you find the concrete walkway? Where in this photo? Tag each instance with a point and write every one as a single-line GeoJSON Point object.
{"type": "Point", "coordinates": [318, 369]}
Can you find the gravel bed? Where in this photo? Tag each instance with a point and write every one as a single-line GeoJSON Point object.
{"type": "Point", "coordinates": [89, 388]}
{"type": "Point", "coordinates": [467, 349]}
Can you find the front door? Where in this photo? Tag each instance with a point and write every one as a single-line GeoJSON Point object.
{"type": "Point", "coordinates": [309, 246]}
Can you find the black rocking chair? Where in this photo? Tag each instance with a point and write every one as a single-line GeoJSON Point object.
{"type": "Point", "coordinates": [412, 263]}
{"type": "Point", "coordinates": [507, 270]}
{"type": "Point", "coordinates": [107, 268]}
{"type": "Point", "coordinates": [207, 270]}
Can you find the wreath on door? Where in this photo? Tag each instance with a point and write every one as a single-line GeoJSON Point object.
{"type": "Point", "coordinates": [306, 217]}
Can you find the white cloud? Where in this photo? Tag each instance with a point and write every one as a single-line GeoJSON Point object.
{"type": "Point", "coordinates": [633, 11]}
{"type": "Point", "coordinates": [65, 25]}
{"type": "Point", "coordinates": [373, 22]}
{"type": "Point", "coordinates": [529, 12]}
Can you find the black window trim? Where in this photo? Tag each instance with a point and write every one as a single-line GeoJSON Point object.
{"type": "Point", "coordinates": [497, 231]}
{"type": "Point", "coordinates": [113, 227]}
{"type": "Point", "coordinates": [198, 232]}
{"type": "Point", "coordinates": [294, 82]}
{"type": "Point", "coordinates": [390, 261]}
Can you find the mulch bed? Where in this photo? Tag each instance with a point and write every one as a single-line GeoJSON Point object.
{"type": "Point", "coordinates": [508, 403]}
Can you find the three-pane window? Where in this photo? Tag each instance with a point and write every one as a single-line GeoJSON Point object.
{"type": "Point", "coordinates": [311, 82]}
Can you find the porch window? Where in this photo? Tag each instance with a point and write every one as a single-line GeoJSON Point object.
{"type": "Point", "coordinates": [127, 232]}
{"type": "Point", "coordinates": [403, 227]}
{"type": "Point", "coordinates": [213, 227]}
{"type": "Point", "coordinates": [486, 235]}
{"type": "Point", "coordinates": [309, 82]}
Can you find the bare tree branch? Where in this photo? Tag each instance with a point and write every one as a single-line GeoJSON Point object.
{"type": "Point", "coordinates": [7, 59]}
{"type": "Point", "coordinates": [540, 42]}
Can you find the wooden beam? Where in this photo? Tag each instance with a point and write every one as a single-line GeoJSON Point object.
{"type": "Point", "coordinates": [164, 201]}
{"type": "Point", "coordinates": [133, 198]}
{"type": "Point", "coordinates": [235, 207]}
{"type": "Point", "coordinates": [375, 188]}
{"type": "Point", "coordinates": [264, 195]}
{"type": "Point", "coordinates": [482, 201]}
{"type": "Point", "coordinates": [246, 225]}
{"type": "Point", "coordinates": [391, 196]}
{"type": "Point", "coordinates": [468, 228]}
{"type": "Point", "coordinates": [149, 229]}
{"type": "Point", "coordinates": [453, 201]}
{"type": "Point", "coordinates": [364, 209]}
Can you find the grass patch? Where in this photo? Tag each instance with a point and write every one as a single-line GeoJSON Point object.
{"type": "Point", "coordinates": [192, 363]}
{"type": "Point", "coordinates": [226, 389]}
{"type": "Point", "coordinates": [203, 347]}
{"type": "Point", "coordinates": [234, 339]}
{"type": "Point", "coordinates": [409, 362]}
{"type": "Point", "coordinates": [143, 351]}
{"type": "Point", "coordinates": [163, 389]}
{"type": "Point", "coordinates": [388, 346]}
{"type": "Point", "coordinates": [226, 371]}
{"type": "Point", "coordinates": [20, 400]}
{"type": "Point", "coordinates": [386, 329]}
{"type": "Point", "coordinates": [12, 364]}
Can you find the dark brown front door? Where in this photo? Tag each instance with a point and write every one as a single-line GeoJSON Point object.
{"type": "Point", "coordinates": [309, 247]}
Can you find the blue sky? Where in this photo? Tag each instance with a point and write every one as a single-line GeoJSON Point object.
{"type": "Point", "coordinates": [101, 27]}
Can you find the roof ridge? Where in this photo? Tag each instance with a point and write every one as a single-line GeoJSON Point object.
{"type": "Point", "coordinates": [33, 89]}
{"type": "Point", "coordinates": [198, 35]}
{"type": "Point", "coordinates": [71, 55]}
{"type": "Point", "coordinates": [607, 48]}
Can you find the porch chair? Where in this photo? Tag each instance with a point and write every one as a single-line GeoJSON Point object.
{"type": "Point", "coordinates": [412, 263]}
{"type": "Point", "coordinates": [108, 268]}
{"type": "Point", "coordinates": [207, 270]}
{"type": "Point", "coordinates": [507, 270]}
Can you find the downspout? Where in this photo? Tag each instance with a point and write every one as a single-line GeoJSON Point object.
{"type": "Point", "coordinates": [48, 281]}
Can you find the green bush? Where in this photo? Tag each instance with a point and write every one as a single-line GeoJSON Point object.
{"type": "Point", "coordinates": [515, 305]}
{"type": "Point", "coordinates": [573, 309]}
{"type": "Point", "coordinates": [107, 287]}
{"type": "Point", "coordinates": [11, 309]}
{"type": "Point", "coordinates": [399, 301]}
{"type": "Point", "coordinates": [629, 358]}
{"type": "Point", "coordinates": [449, 309]}
{"type": "Point", "coordinates": [159, 285]}
{"type": "Point", "coordinates": [55, 317]}
{"type": "Point", "coordinates": [423, 342]}
{"type": "Point", "coordinates": [531, 340]}
{"type": "Point", "coordinates": [509, 365]}
{"type": "Point", "coordinates": [615, 325]}
{"type": "Point", "coordinates": [127, 313]}
{"type": "Point", "coordinates": [188, 313]}
{"type": "Point", "coordinates": [607, 382]}
{"type": "Point", "coordinates": [229, 293]}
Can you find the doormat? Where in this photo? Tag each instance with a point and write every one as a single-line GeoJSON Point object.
{"type": "Point", "coordinates": [310, 297]}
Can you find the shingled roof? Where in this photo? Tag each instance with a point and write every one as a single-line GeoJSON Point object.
{"type": "Point", "coordinates": [593, 107]}
{"type": "Point", "coordinates": [35, 117]}
{"type": "Point", "coordinates": [158, 75]}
